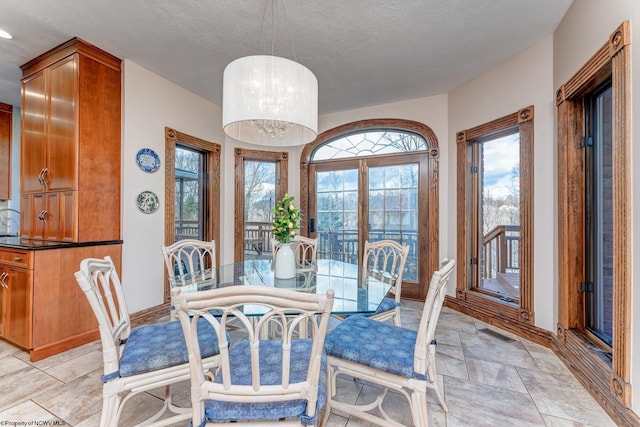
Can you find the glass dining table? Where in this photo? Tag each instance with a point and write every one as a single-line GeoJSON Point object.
{"type": "Point", "coordinates": [354, 292]}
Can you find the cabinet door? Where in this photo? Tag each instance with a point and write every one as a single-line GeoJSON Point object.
{"type": "Point", "coordinates": [62, 165]}
{"type": "Point", "coordinates": [38, 202]}
{"type": "Point", "coordinates": [18, 316]}
{"type": "Point", "coordinates": [34, 132]}
{"type": "Point", "coordinates": [50, 218]}
{"type": "Point", "coordinates": [6, 113]}
{"type": "Point", "coordinates": [32, 208]}
{"type": "Point", "coordinates": [68, 216]}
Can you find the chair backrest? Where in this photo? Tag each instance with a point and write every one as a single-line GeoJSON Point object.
{"type": "Point", "coordinates": [384, 260]}
{"type": "Point", "coordinates": [190, 261]}
{"type": "Point", "coordinates": [101, 285]}
{"type": "Point", "coordinates": [431, 313]}
{"type": "Point", "coordinates": [304, 248]}
{"type": "Point", "coordinates": [236, 321]}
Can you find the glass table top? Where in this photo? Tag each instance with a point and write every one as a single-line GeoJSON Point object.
{"type": "Point", "coordinates": [352, 294]}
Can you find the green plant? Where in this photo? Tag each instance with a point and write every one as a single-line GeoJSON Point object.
{"type": "Point", "coordinates": [286, 219]}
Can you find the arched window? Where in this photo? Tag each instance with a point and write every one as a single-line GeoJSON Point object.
{"type": "Point", "coordinates": [374, 180]}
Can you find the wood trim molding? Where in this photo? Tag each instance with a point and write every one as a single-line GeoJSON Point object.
{"type": "Point", "coordinates": [592, 372]}
{"type": "Point", "coordinates": [213, 150]}
{"type": "Point", "coordinates": [281, 159]}
{"type": "Point", "coordinates": [478, 309]}
{"type": "Point", "coordinates": [466, 294]}
{"type": "Point", "coordinates": [609, 384]}
{"type": "Point", "coordinates": [75, 45]}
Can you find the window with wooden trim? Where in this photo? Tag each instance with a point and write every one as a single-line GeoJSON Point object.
{"type": "Point", "coordinates": [495, 219]}
{"type": "Point", "coordinates": [261, 180]}
{"type": "Point", "coordinates": [192, 189]}
{"type": "Point", "coordinates": [594, 223]}
{"type": "Point", "coordinates": [372, 180]}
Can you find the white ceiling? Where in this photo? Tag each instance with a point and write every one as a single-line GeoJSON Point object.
{"type": "Point", "coordinates": [363, 52]}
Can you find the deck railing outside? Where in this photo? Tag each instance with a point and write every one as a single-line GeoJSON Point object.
{"type": "Point", "coordinates": [339, 245]}
{"type": "Point", "coordinates": [501, 247]}
{"type": "Point", "coordinates": [187, 230]}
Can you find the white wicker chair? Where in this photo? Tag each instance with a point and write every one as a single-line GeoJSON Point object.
{"type": "Point", "coordinates": [391, 356]}
{"type": "Point", "coordinates": [190, 263]}
{"type": "Point", "coordinates": [260, 381]}
{"type": "Point", "coordinates": [140, 359]}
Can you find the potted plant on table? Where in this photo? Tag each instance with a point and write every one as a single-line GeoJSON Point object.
{"type": "Point", "coordinates": [286, 220]}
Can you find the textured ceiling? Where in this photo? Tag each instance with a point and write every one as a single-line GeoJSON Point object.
{"type": "Point", "coordinates": [363, 52]}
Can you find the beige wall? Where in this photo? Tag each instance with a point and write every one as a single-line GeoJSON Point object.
{"type": "Point", "coordinates": [525, 79]}
{"type": "Point", "coordinates": [585, 28]}
{"type": "Point", "coordinates": [151, 103]}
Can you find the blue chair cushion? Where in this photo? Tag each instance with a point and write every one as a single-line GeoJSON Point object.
{"type": "Point", "coordinates": [162, 345]}
{"type": "Point", "coordinates": [270, 374]}
{"type": "Point", "coordinates": [379, 345]}
{"type": "Point", "coordinates": [386, 305]}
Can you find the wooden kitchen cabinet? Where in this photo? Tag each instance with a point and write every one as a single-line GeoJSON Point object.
{"type": "Point", "coordinates": [44, 310]}
{"type": "Point", "coordinates": [6, 115]}
{"type": "Point", "coordinates": [49, 216]}
{"type": "Point", "coordinates": [71, 142]}
{"type": "Point", "coordinates": [16, 280]}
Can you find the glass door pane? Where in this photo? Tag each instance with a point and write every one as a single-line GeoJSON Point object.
{"type": "Point", "coordinates": [499, 216]}
{"type": "Point", "coordinates": [393, 210]}
{"type": "Point", "coordinates": [337, 214]}
{"type": "Point", "coordinates": [600, 220]}
{"type": "Point", "coordinates": [259, 199]}
{"type": "Point", "coordinates": [189, 194]}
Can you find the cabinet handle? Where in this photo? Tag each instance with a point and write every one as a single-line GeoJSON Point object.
{"type": "Point", "coordinates": [45, 216]}
{"type": "Point", "coordinates": [41, 215]}
{"type": "Point", "coordinates": [17, 258]}
{"type": "Point", "coordinates": [45, 180]}
{"type": "Point", "coordinates": [41, 178]}
{"type": "Point", "coordinates": [3, 283]}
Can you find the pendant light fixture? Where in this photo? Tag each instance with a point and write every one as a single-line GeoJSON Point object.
{"type": "Point", "coordinates": [270, 100]}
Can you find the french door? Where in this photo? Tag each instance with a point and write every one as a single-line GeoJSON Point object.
{"type": "Point", "coordinates": [351, 201]}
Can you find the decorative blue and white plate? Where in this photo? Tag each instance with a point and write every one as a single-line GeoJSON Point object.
{"type": "Point", "coordinates": [147, 202]}
{"type": "Point", "coordinates": [148, 160]}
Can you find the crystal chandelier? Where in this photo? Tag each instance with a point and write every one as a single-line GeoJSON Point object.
{"type": "Point", "coordinates": [269, 100]}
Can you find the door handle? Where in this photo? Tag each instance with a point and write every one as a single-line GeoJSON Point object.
{"type": "Point", "coordinates": [3, 283]}
{"type": "Point", "coordinates": [312, 225]}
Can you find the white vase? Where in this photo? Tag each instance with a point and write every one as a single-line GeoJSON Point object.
{"type": "Point", "coordinates": [285, 267]}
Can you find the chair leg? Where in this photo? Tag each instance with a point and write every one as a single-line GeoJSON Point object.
{"type": "Point", "coordinates": [331, 387]}
{"type": "Point", "coordinates": [419, 410]}
{"type": "Point", "coordinates": [110, 411]}
{"type": "Point", "coordinates": [433, 381]}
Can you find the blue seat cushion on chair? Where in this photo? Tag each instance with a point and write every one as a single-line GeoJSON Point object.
{"type": "Point", "coordinates": [270, 373]}
{"type": "Point", "coordinates": [162, 345]}
{"type": "Point", "coordinates": [387, 304]}
{"type": "Point", "coordinates": [379, 345]}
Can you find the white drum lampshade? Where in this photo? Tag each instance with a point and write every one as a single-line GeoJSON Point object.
{"type": "Point", "coordinates": [268, 100]}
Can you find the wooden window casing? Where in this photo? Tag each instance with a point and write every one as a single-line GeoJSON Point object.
{"type": "Point", "coordinates": [519, 317]}
{"type": "Point", "coordinates": [212, 188]}
{"type": "Point", "coordinates": [609, 382]}
{"type": "Point", "coordinates": [429, 236]}
{"type": "Point", "coordinates": [281, 159]}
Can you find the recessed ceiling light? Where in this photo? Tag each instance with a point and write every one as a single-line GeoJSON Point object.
{"type": "Point", "coordinates": [5, 35]}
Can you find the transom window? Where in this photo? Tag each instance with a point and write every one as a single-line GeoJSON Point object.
{"type": "Point", "coordinates": [370, 143]}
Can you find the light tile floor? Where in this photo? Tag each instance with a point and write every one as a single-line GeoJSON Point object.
{"type": "Point", "coordinates": [488, 379]}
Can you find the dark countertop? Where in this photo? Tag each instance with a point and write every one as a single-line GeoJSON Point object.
{"type": "Point", "coordinates": [15, 242]}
